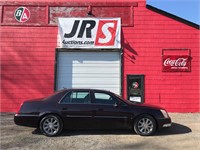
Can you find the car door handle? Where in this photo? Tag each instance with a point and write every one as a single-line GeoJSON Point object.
{"type": "Point", "coordinates": [100, 109]}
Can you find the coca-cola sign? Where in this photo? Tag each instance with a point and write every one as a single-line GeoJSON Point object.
{"type": "Point", "coordinates": [175, 63]}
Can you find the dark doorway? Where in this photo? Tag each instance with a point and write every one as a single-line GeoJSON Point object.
{"type": "Point", "coordinates": [135, 88]}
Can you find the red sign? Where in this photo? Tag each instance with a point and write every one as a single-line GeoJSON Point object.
{"type": "Point", "coordinates": [106, 32]}
{"type": "Point", "coordinates": [176, 63]}
{"type": "Point", "coordinates": [22, 14]}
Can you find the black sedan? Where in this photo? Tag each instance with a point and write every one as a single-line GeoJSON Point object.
{"type": "Point", "coordinates": [91, 109]}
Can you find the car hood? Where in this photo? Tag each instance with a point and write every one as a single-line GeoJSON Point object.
{"type": "Point", "coordinates": [146, 105]}
{"type": "Point", "coordinates": [150, 105]}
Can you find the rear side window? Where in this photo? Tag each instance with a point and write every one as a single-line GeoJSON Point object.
{"type": "Point", "coordinates": [104, 98]}
{"type": "Point", "coordinates": [80, 97]}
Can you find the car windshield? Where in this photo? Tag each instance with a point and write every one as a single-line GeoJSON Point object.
{"type": "Point", "coordinates": [120, 97]}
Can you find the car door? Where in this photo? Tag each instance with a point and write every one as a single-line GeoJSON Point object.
{"type": "Point", "coordinates": [76, 109]}
{"type": "Point", "coordinates": [110, 112]}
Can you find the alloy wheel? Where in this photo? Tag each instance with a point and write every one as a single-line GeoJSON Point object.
{"type": "Point", "coordinates": [145, 125]}
{"type": "Point", "coordinates": [51, 125]}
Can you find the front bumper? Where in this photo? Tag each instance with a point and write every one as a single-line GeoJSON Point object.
{"type": "Point", "coordinates": [26, 120]}
{"type": "Point", "coordinates": [164, 123]}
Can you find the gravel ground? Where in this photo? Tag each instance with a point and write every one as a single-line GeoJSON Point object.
{"type": "Point", "coordinates": [183, 135]}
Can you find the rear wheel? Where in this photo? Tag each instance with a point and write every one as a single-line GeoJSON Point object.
{"type": "Point", "coordinates": [145, 125]}
{"type": "Point", "coordinates": [51, 125]}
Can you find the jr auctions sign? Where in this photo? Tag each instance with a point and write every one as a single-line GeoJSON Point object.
{"type": "Point", "coordinates": [90, 32]}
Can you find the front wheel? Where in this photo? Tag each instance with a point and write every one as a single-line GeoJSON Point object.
{"type": "Point", "coordinates": [145, 125]}
{"type": "Point", "coordinates": [51, 125]}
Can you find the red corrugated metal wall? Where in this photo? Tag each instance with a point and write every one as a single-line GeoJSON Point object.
{"type": "Point", "coordinates": [28, 53]}
{"type": "Point", "coordinates": [175, 91]}
{"type": "Point", "coordinates": [27, 64]}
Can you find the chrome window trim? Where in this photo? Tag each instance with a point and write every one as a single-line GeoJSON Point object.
{"type": "Point", "coordinates": [63, 97]}
{"type": "Point", "coordinates": [76, 91]}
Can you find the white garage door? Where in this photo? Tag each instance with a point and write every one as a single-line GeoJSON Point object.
{"type": "Point", "coordinates": [99, 70]}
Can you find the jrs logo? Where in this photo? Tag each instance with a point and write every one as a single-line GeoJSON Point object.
{"type": "Point", "coordinates": [90, 32]}
{"type": "Point", "coordinates": [22, 14]}
{"type": "Point", "coordinates": [106, 32]}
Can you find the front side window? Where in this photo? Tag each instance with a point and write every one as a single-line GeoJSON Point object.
{"type": "Point", "coordinates": [103, 98]}
{"type": "Point", "coordinates": [77, 97]}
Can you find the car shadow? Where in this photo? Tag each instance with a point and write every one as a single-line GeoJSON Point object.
{"type": "Point", "coordinates": [75, 132]}
{"type": "Point", "coordinates": [96, 132]}
{"type": "Point", "coordinates": [174, 129]}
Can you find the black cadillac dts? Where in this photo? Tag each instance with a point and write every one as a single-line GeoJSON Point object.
{"type": "Point", "coordinates": [91, 109]}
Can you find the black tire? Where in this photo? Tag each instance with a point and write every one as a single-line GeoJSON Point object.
{"type": "Point", "coordinates": [144, 125]}
{"type": "Point", "coordinates": [51, 125]}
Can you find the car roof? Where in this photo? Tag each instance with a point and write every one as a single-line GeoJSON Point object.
{"type": "Point", "coordinates": [86, 89]}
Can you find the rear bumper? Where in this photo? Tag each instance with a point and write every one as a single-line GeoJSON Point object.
{"type": "Point", "coordinates": [164, 123]}
{"type": "Point", "coordinates": [26, 120]}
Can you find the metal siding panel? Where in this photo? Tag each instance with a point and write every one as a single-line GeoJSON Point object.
{"type": "Point", "coordinates": [99, 70]}
{"type": "Point", "coordinates": [176, 92]}
{"type": "Point", "coordinates": [27, 71]}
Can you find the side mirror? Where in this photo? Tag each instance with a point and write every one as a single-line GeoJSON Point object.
{"type": "Point", "coordinates": [116, 105]}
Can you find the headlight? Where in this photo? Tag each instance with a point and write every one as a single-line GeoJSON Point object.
{"type": "Point", "coordinates": [164, 113]}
